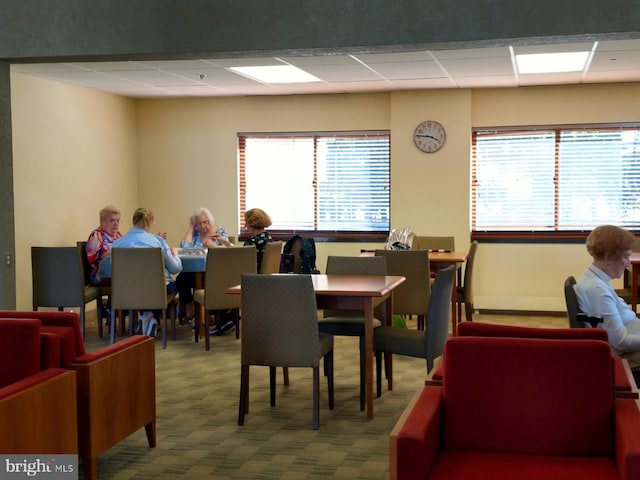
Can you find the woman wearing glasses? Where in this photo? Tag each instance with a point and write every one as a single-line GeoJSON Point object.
{"type": "Point", "coordinates": [203, 233]}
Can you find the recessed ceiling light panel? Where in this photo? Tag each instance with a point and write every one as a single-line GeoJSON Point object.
{"type": "Point", "coordinates": [276, 74]}
{"type": "Point", "coordinates": [551, 62]}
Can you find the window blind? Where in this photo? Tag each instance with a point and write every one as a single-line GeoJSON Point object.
{"type": "Point", "coordinates": [335, 182]}
{"type": "Point", "coordinates": [555, 179]}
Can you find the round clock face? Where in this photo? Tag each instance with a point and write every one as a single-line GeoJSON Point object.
{"type": "Point", "coordinates": [429, 136]}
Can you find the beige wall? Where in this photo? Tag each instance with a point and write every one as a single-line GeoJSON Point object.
{"type": "Point", "coordinates": [186, 155]}
{"type": "Point", "coordinates": [74, 151]}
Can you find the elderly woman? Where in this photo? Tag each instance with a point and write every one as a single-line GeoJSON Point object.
{"type": "Point", "coordinates": [100, 241]}
{"type": "Point", "coordinates": [255, 223]}
{"type": "Point", "coordinates": [202, 232]}
{"type": "Point", "coordinates": [140, 236]}
{"type": "Point", "coordinates": [610, 247]}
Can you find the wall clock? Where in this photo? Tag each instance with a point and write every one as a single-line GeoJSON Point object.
{"type": "Point", "coordinates": [429, 136]}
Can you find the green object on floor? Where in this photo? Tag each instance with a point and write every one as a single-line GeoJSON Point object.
{"type": "Point", "coordinates": [399, 321]}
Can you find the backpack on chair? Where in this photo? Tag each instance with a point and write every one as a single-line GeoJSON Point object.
{"type": "Point", "coordinates": [299, 256]}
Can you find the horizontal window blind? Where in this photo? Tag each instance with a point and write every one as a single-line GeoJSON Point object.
{"type": "Point", "coordinates": [333, 182]}
{"type": "Point", "coordinates": [557, 179]}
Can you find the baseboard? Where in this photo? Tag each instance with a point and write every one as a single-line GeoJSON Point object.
{"type": "Point", "coordinates": [531, 313]}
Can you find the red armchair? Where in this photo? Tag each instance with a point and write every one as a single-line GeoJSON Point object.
{"type": "Point", "coordinates": [625, 384]}
{"type": "Point", "coordinates": [548, 411]}
{"type": "Point", "coordinates": [37, 408]}
{"type": "Point", "coordinates": [115, 385]}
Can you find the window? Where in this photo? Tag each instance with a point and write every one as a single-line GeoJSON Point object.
{"type": "Point", "coordinates": [555, 181]}
{"type": "Point", "coordinates": [334, 185]}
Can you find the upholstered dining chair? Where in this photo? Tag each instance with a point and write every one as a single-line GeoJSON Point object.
{"type": "Point", "coordinates": [464, 292]}
{"type": "Point", "coordinates": [138, 283]}
{"type": "Point", "coordinates": [571, 300]}
{"type": "Point", "coordinates": [58, 280]}
{"type": "Point", "coordinates": [433, 243]}
{"type": "Point", "coordinates": [351, 323]}
{"type": "Point", "coordinates": [412, 296]}
{"type": "Point", "coordinates": [280, 329]}
{"type": "Point", "coordinates": [224, 267]}
{"type": "Point", "coordinates": [427, 344]}
{"type": "Point", "coordinates": [271, 258]}
{"type": "Point", "coordinates": [104, 291]}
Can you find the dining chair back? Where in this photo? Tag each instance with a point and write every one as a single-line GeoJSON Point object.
{"type": "Point", "coordinates": [412, 296]}
{"type": "Point", "coordinates": [349, 322]}
{"type": "Point", "coordinates": [58, 280]}
{"type": "Point", "coordinates": [224, 268]}
{"type": "Point", "coordinates": [464, 292]}
{"type": "Point", "coordinates": [271, 258]}
{"type": "Point", "coordinates": [105, 291]}
{"type": "Point", "coordinates": [280, 329]}
{"type": "Point", "coordinates": [138, 282]}
{"type": "Point", "coordinates": [427, 344]}
{"type": "Point", "coordinates": [433, 243]}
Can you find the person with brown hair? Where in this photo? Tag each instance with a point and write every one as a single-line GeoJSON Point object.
{"type": "Point", "coordinates": [256, 221]}
{"type": "Point", "coordinates": [610, 247]}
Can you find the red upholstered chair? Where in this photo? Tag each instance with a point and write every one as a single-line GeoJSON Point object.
{"type": "Point", "coordinates": [547, 410]}
{"type": "Point", "coordinates": [625, 384]}
{"type": "Point", "coordinates": [115, 385]}
{"type": "Point", "coordinates": [37, 407]}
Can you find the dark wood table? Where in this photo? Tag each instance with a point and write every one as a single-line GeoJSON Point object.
{"type": "Point", "coordinates": [440, 259]}
{"type": "Point", "coordinates": [355, 292]}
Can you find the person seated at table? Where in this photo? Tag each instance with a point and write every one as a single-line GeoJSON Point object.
{"type": "Point", "coordinates": [610, 247]}
{"type": "Point", "coordinates": [99, 243]}
{"type": "Point", "coordinates": [256, 221]}
{"type": "Point", "coordinates": [139, 236]}
{"type": "Point", "coordinates": [204, 233]}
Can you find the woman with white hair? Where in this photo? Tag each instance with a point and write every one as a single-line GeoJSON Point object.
{"type": "Point", "coordinates": [204, 233]}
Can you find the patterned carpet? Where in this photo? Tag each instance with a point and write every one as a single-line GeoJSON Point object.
{"type": "Point", "coordinates": [197, 409]}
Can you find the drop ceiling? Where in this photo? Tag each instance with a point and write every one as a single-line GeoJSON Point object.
{"type": "Point", "coordinates": [612, 61]}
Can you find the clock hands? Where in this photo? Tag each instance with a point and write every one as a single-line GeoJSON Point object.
{"type": "Point", "coordinates": [428, 136]}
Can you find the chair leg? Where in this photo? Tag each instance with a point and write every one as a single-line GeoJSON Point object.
{"type": "Point", "coordinates": [150, 430]}
{"type": "Point", "coordinates": [90, 467]}
{"type": "Point", "coordinates": [468, 312]}
{"type": "Point", "coordinates": [236, 320]}
{"type": "Point", "coordinates": [112, 328]}
{"type": "Point", "coordinates": [285, 376]}
{"type": "Point", "coordinates": [164, 328]}
{"type": "Point", "coordinates": [272, 386]}
{"type": "Point", "coordinates": [388, 369]}
{"type": "Point", "coordinates": [82, 325]}
{"type": "Point", "coordinates": [316, 397]}
{"type": "Point", "coordinates": [172, 316]}
{"type": "Point", "coordinates": [244, 393]}
{"type": "Point", "coordinates": [328, 365]}
{"type": "Point", "coordinates": [420, 324]}
{"type": "Point", "coordinates": [205, 320]}
{"type": "Point", "coordinates": [362, 376]}
{"type": "Point", "coordinates": [378, 374]}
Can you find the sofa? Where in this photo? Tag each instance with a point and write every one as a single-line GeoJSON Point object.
{"type": "Point", "coordinates": [37, 407]}
{"type": "Point", "coordinates": [546, 411]}
{"type": "Point", "coordinates": [115, 385]}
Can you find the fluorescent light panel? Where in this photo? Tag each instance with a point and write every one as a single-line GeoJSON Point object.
{"type": "Point", "coordinates": [551, 62]}
{"type": "Point", "coordinates": [276, 74]}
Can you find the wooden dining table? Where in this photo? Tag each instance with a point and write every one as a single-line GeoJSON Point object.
{"type": "Point", "coordinates": [439, 259]}
{"type": "Point", "coordinates": [354, 292]}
